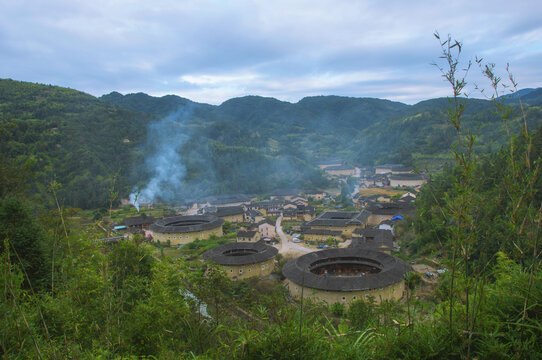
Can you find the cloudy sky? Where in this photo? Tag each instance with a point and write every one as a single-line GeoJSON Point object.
{"type": "Point", "coordinates": [213, 50]}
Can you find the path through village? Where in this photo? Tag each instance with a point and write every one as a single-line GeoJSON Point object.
{"type": "Point", "coordinates": [287, 246]}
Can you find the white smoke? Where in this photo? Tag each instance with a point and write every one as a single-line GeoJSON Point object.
{"type": "Point", "coordinates": [165, 138]}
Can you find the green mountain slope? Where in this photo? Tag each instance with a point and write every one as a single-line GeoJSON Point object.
{"type": "Point", "coordinates": [76, 139]}
{"type": "Point", "coordinates": [250, 144]}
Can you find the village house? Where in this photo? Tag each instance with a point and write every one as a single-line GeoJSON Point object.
{"type": "Point", "coordinates": [138, 222]}
{"type": "Point", "coordinates": [327, 163]}
{"type": "Point", "coordinates": [315, 195]}
{"type": "Point", "coordinates": [321, 235]}
{"type": "Point", "coordinates": [400, 169]}
{"type": "Point", "coordinates": [267, 229]}
{"type": "Point", "coordinates": [361, 201]}
{"type": "Point", "coordinates": [344, 221]}
{"type": "Point", "coordinates": [274, 212]}
{"type": "Point", "coordinates": [286, 194]}
{"type": "Point", "coordinates": [226, 200]}
{"type": "Point", "coordinates": [300, 201]}
{"type": "Point", "coordinates": [373, 239]}
{"type": "Point", "coordinates": [233, 214]}
{"type": "Point", "coordinates": [253, 216]}
{"type": "Point", "coordinates": [248, 236]}
{"type": "Point", "coordinates": [387, 168]}
{"type": "Point", "coordinates": [407, 180]}
{"type": "Point", "coordinates": [267, 205]}
{"type": "Point", "coordinates": [387, 211]}
{"type": "Point", "coordinates": [376, 180]}
{"type": "Point", "coordinates": [299, 213]}
{"type": "Point", "coordinates": [289, 206]}
{"type": "Point", "coordinates": [341, 170]}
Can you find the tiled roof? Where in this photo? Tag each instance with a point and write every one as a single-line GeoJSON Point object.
{"type": "Point", "coordinates": [245, 253]}
{"type": "Point", "coordinates": [229, 210]}
{"type": "Point", "coordinates": [340, 218]}
{"type": "Point", "coordinates": [392, 270]}
{"type": "Point", "coordinates": [138, 220]}
{"type": "Point", "coordinates": [184, 224]}
{"type": "Point", "coordinates": [373, 239]}
{"type": "Point", "coordinates": [392, 208]}
{"type": "Point", "coordinates": [322, 232]}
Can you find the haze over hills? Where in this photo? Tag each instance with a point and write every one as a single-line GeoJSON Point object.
{"type": "Point", "coordinates": [250, 144]}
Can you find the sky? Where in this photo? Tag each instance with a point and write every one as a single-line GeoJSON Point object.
{"type": "Point", "coordinates": [213, 50]}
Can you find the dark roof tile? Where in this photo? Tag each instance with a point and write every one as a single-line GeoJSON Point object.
{"type": "Point", "coordinates": [253, 253]}
{"type": "Point", "coordinates": [392, 270]}
{"type": "Point", "coordinates": [184, 224]}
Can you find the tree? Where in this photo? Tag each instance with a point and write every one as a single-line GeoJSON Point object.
{"type": "Point", "coordinates": [27, 240]}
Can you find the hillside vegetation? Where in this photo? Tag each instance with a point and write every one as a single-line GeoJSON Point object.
{"type": "Point", "coordinates": [250, 144]}
{"type": "Point", "coordinates": [67, 295]}
{"type": "Point", "coordinates": [71, 137]}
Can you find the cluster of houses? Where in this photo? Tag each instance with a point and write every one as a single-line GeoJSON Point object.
{"type": "Point", "coordinates": [257, 219]}
{"type": "Point", "coordinates": [363, 241]}
{"type": "Point", "coordinates": [336, 168]}
{"type": "Point", "coordinates": [394, 175]}
{"type": "Point", "coordinates": [369, 228]}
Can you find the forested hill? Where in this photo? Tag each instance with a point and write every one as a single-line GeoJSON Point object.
{"type": "Point", "coordinates": [250, 144]}
{"type": "Point", "coordinates": [74, 138]}
{"type": "Point", "coordinates": [160, 106]}
{"type": "Point", "coordinates": [528, 96]}
{"type": "Point", "coordinates": [359, 130]}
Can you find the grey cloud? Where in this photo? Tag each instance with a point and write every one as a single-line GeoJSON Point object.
{"type": "Point", "coordinates": [130, 46]}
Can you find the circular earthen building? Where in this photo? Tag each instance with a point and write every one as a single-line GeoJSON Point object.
{"type": "Point", "coordinates": [184, 229]}
{"type": "Point", "coordinates": [346, 275]}
{"type": "Point", "coordinates": [242, 260]}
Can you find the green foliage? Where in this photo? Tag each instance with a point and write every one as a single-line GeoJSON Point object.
{"type": "Point", "coordinates": [492, 193]}
{"type": "Point", "coordinates": [360, 314]}
{"type": "Point", "coordinates": [338, 309]}
{"type": "Point", "coordinates": [250, 144]}
{"type": "Point", "coordinates": [481, 216]}
{"type": "Point", "coordinates": [71, 137]}
{"type": "Point", "coordinates": [26, 240]}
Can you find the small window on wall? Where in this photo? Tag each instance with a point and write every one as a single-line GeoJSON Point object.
{"type": "Point", "coordinates": [231, 270]}
{"type": "Point", "coordinates": [344, 298]}
{"type": "Point", "coordinates": [354, 298]}
{"type": "Point", "coordinates": [263, 267]}
{"type": "Point", "coordinates": [201, 235]}
{"type": "Point", "coordinates": [240, 271]}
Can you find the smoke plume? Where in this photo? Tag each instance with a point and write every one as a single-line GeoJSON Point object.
{"type": "Point", "coordinates": [165, 138]}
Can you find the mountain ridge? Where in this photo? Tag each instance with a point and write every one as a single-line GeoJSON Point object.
{"type": "Point", "coordinates": [248, 144]}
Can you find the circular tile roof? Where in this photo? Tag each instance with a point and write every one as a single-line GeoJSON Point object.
{"type": "Point", "coordinates": [240, 253]}
{"type": "Point", "coordinates": [185, 224]}
{"type": "Point", "coordinates": [391, 270]}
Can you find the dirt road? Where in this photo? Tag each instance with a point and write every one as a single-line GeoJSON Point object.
{"type": "Point", "coordinates": [286, 245]}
